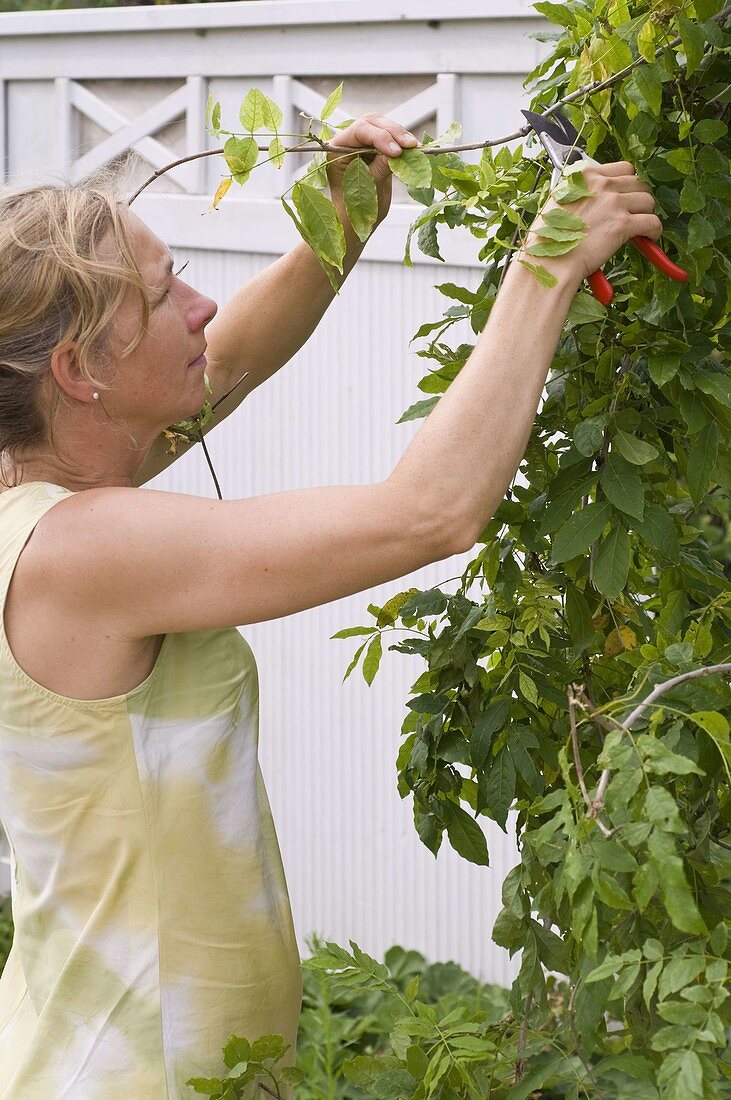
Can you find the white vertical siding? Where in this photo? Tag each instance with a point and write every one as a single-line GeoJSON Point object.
{"type": "Point", "coordinates": [354, 863]}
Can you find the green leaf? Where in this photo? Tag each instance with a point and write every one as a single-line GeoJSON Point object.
{"type": "Point", "coordinates": [277, 152]}
{"type": "Point", "coordinates": [361, 197]}
{"type": "Point", "coordinates": [268, 1046]}
{"type": "Point", "coordinates": [678, 973]}
{"type": "Point", "coordinates": [606, 969]}
{"type": "Point", "coordinates": [658, 530]}
{"type": "Point", "coordinates": [563, 220]}
{"type": "Point", "coordinates": [557, 13]}
{"type": "Point", "coordinates": [432, 601]}
{"type": "Point", "coordinates": [497, 789]}
{"type": "Point", "coordinates": [636, 451]}
{"type": "Point", "coordinates": [527, 688]}
{"type": "Point", "coordinates": [552, 248]}
{"type": "Point", "coordinates": [580, 531]}
{"type": "Point", "coordinates": [555, 233]}
{"type": "Point", "coordinates": [663, 367]}
{"type": "Point", "coordinates": [544, 276]}
{"type": "Point", "coordinates": [273, 116]}
{"type": "Point", "coordinates": [701, 460]}
{"type": "Point", "coordinates": [428, 240]}
{"type": "Point", "coordinates": [418, 410]}
{"type": "Point", "coordinates": [492, 719]}
{"type": "Point", "coordinates": [611, 565]}
{"type": "Point", "coordinates": [465, 835]}
{"type": "Point", "coordinates": [253, 112]}
{"type": "Point", "coordinates": [320, 221]}
{"type": "Point", "coordinates": [417, 1062]}
{"type": "Point", "coordinates": [331, 102]}
{"type": "Point", "coordinates": [581, 627]}
{"type": "Point", "coordinates": [412, 167]}
{"type": "Point", "coordinates": [663, 761]}
{"type": "Point", "coordinates": [692, 198]}
{"type": "Point", "coordinates": [623, 485]}
{"type": "Point", "coordinates": [646, 40]}
{"type": "Point", "coordinates": [679, 901]}
{"type": "Point", "coordinates": [693, 41]}
{"type": "Point", "coordinates": [589, 435]}
{"type": "Point", "coordinates": [241, 155]}
{"type": "Point", "coordinates": [710, 130]}
{"type": "Point", "coordinates": [682, 1070]}
{"type": "Point", "coordinates": [712, 722]}
{"type": "Point", "coordinates": [649, 84]}
{"type": "Point", "coordinates": [661, 809]}
{"type": "Point", "coordinates": [571, 187]}
{"type": "Point", "coordinates": [700, 232]}
{"type": "Point", "coordinates": [209, 1086]}
{"type": "Point", "coordinates": [717, 385]}
{"type": "Point", "coordinates": [584, 310]}
{"type": "Point", "coordinates": [237, 1049]}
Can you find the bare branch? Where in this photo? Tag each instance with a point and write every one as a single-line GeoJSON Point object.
{"type": "Point", "coordinates": [637, 713]}
{"type": "Point", "coordinates": [575, 743]}
{"type": "Point", "coordinates": [577, 761]}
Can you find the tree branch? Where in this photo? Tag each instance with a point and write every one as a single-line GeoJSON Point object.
{"type": "Point", "coordinates": [577, 762]}
{"type": "Point", "coordinates": [587, 89]}
{"type": "Point", "coordinates": [637, 713]}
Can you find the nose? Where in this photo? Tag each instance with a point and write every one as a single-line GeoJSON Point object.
{"type": "Point", "coordinates": [209, 309]}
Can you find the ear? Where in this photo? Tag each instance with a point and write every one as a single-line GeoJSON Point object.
{"type": "Point", "coordinates": [67, 373]}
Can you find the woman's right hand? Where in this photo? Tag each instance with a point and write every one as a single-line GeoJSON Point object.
{"type": "Point", "coordinates": [621, 208]}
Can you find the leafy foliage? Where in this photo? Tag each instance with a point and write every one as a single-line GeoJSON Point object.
{"type": "Point", "coordinates": [596, 581]}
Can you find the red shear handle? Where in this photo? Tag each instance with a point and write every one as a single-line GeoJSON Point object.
{"type": "Point", "coordinates": [656, 256]}
{"type": "Point", "coordinates": [601, 288]}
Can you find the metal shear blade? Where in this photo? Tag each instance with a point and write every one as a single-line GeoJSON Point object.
{"type": "Point", "coordinates": [557, 136]}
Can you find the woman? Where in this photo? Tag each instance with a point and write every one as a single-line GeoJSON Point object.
{"type": "Point", "coordinates": [151, 911]}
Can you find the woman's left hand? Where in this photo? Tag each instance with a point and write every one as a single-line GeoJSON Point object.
{"type": "Point", "coordinates": [387, 137]}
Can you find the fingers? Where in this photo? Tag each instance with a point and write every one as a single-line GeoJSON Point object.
{"type": "Point", "coordinates": [615, 168]}
{"type": "Point", "coordinates": [646, 225]}
{"type": "Point", "coordinates": [385, 135]}
{"type": "Point", "coordinates": [639, 202]}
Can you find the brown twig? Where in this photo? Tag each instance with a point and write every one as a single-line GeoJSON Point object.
{"type": "Point", "coordinates": [587, 89]}
{"type": "Point", "coordinates": [577, 762]}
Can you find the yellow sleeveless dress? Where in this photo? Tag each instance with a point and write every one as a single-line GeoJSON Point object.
{"type": "Point", "coordinates": [152, 919]}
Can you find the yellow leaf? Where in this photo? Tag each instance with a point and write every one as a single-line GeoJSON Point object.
{"type": "Point", "coordinates": [622, 638]}
{"type": "Point", "coordinates": [220, 192]}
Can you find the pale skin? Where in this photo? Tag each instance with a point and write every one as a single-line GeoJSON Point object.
{"type": "Point", "coordinates": [110, 571]}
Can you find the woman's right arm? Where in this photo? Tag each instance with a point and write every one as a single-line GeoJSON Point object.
{"type": "Point", "coordinates": [472, 442]}
{"type": "Point", "coordinates": [144, 562]}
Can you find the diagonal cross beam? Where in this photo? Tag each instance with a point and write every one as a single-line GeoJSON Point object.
{"type": "Point", "coordinates": [125, 134]}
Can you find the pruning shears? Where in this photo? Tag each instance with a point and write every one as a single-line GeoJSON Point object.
{"type": "Point", "coordinates": [561, 141]}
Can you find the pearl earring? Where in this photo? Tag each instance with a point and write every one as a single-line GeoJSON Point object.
{"type": "Point", "coordinates": [95, 395]}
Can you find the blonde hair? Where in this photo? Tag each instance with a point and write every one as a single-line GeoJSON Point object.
{"type": "Point", "coordinates": [56, 287]}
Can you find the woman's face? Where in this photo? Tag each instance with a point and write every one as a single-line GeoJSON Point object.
{"type": "Point", "coordinates": [155, 386]}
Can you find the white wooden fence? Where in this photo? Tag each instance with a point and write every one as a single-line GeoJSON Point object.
{"type": "Point", "coordinates": [78, 88]}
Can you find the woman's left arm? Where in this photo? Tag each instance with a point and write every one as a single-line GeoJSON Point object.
{"type": "Point", "coordinates": [270, 318]}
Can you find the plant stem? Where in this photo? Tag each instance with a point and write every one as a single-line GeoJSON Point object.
{"type": "Point", "coordinates": [587, 89]}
